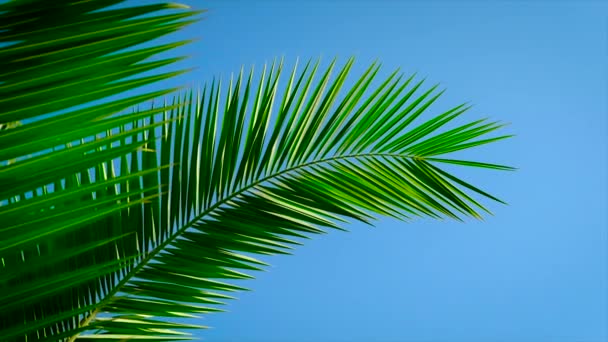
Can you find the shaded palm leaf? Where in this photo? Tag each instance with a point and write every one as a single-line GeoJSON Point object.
{"type": "Point", "coordinates": [256, 170]}
{"type": "Point", "coordinates": [60, 250]}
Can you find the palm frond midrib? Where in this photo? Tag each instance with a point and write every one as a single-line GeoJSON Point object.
{"type": "Point", "coordinates": [223, 200]}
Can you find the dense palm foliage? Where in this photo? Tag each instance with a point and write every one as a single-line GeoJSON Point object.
{"type": "Point", "coordinates": [112, 223]}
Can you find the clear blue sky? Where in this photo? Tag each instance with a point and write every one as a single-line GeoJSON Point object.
{"type": "Point", "coordinates": [537, 270]}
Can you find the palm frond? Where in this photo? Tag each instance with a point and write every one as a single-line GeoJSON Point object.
{"type": "Point", "coordinates": [255, 170]}
{"type": "Point", "coordinates": [61, 61]}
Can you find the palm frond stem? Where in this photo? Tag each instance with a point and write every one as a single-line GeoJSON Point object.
{"type": "Point", "coordinates": [176, 234]}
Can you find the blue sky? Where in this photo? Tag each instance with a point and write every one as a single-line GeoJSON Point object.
{"type": "Point", "coordinates": [536, 270]}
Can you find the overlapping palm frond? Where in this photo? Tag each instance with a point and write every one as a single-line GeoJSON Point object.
{"type": "Point", "coordinates": [112, 226]}
{"type": "Point", "coordinates": [63, 67]}
{"type": "Point", "coordinates": [257, 169]}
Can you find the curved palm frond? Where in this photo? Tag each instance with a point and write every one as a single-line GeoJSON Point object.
{"type": "Point", "coordinates": [253, 171]}
{"type": "Point", "coordinates": [64, 65]}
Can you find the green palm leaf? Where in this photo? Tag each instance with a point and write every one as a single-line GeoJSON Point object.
{"type": "Point", "coordinates": [114, 225]}
{"type": "Point", "coordinates": [61, 137]}
{"type": "Point", "coordinates": [255, 170]}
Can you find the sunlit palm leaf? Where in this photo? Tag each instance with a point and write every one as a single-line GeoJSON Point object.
{"type": "Point", "coordinates": [256, 168]}
{"type": "Point", "coordinates": [61, 246]}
